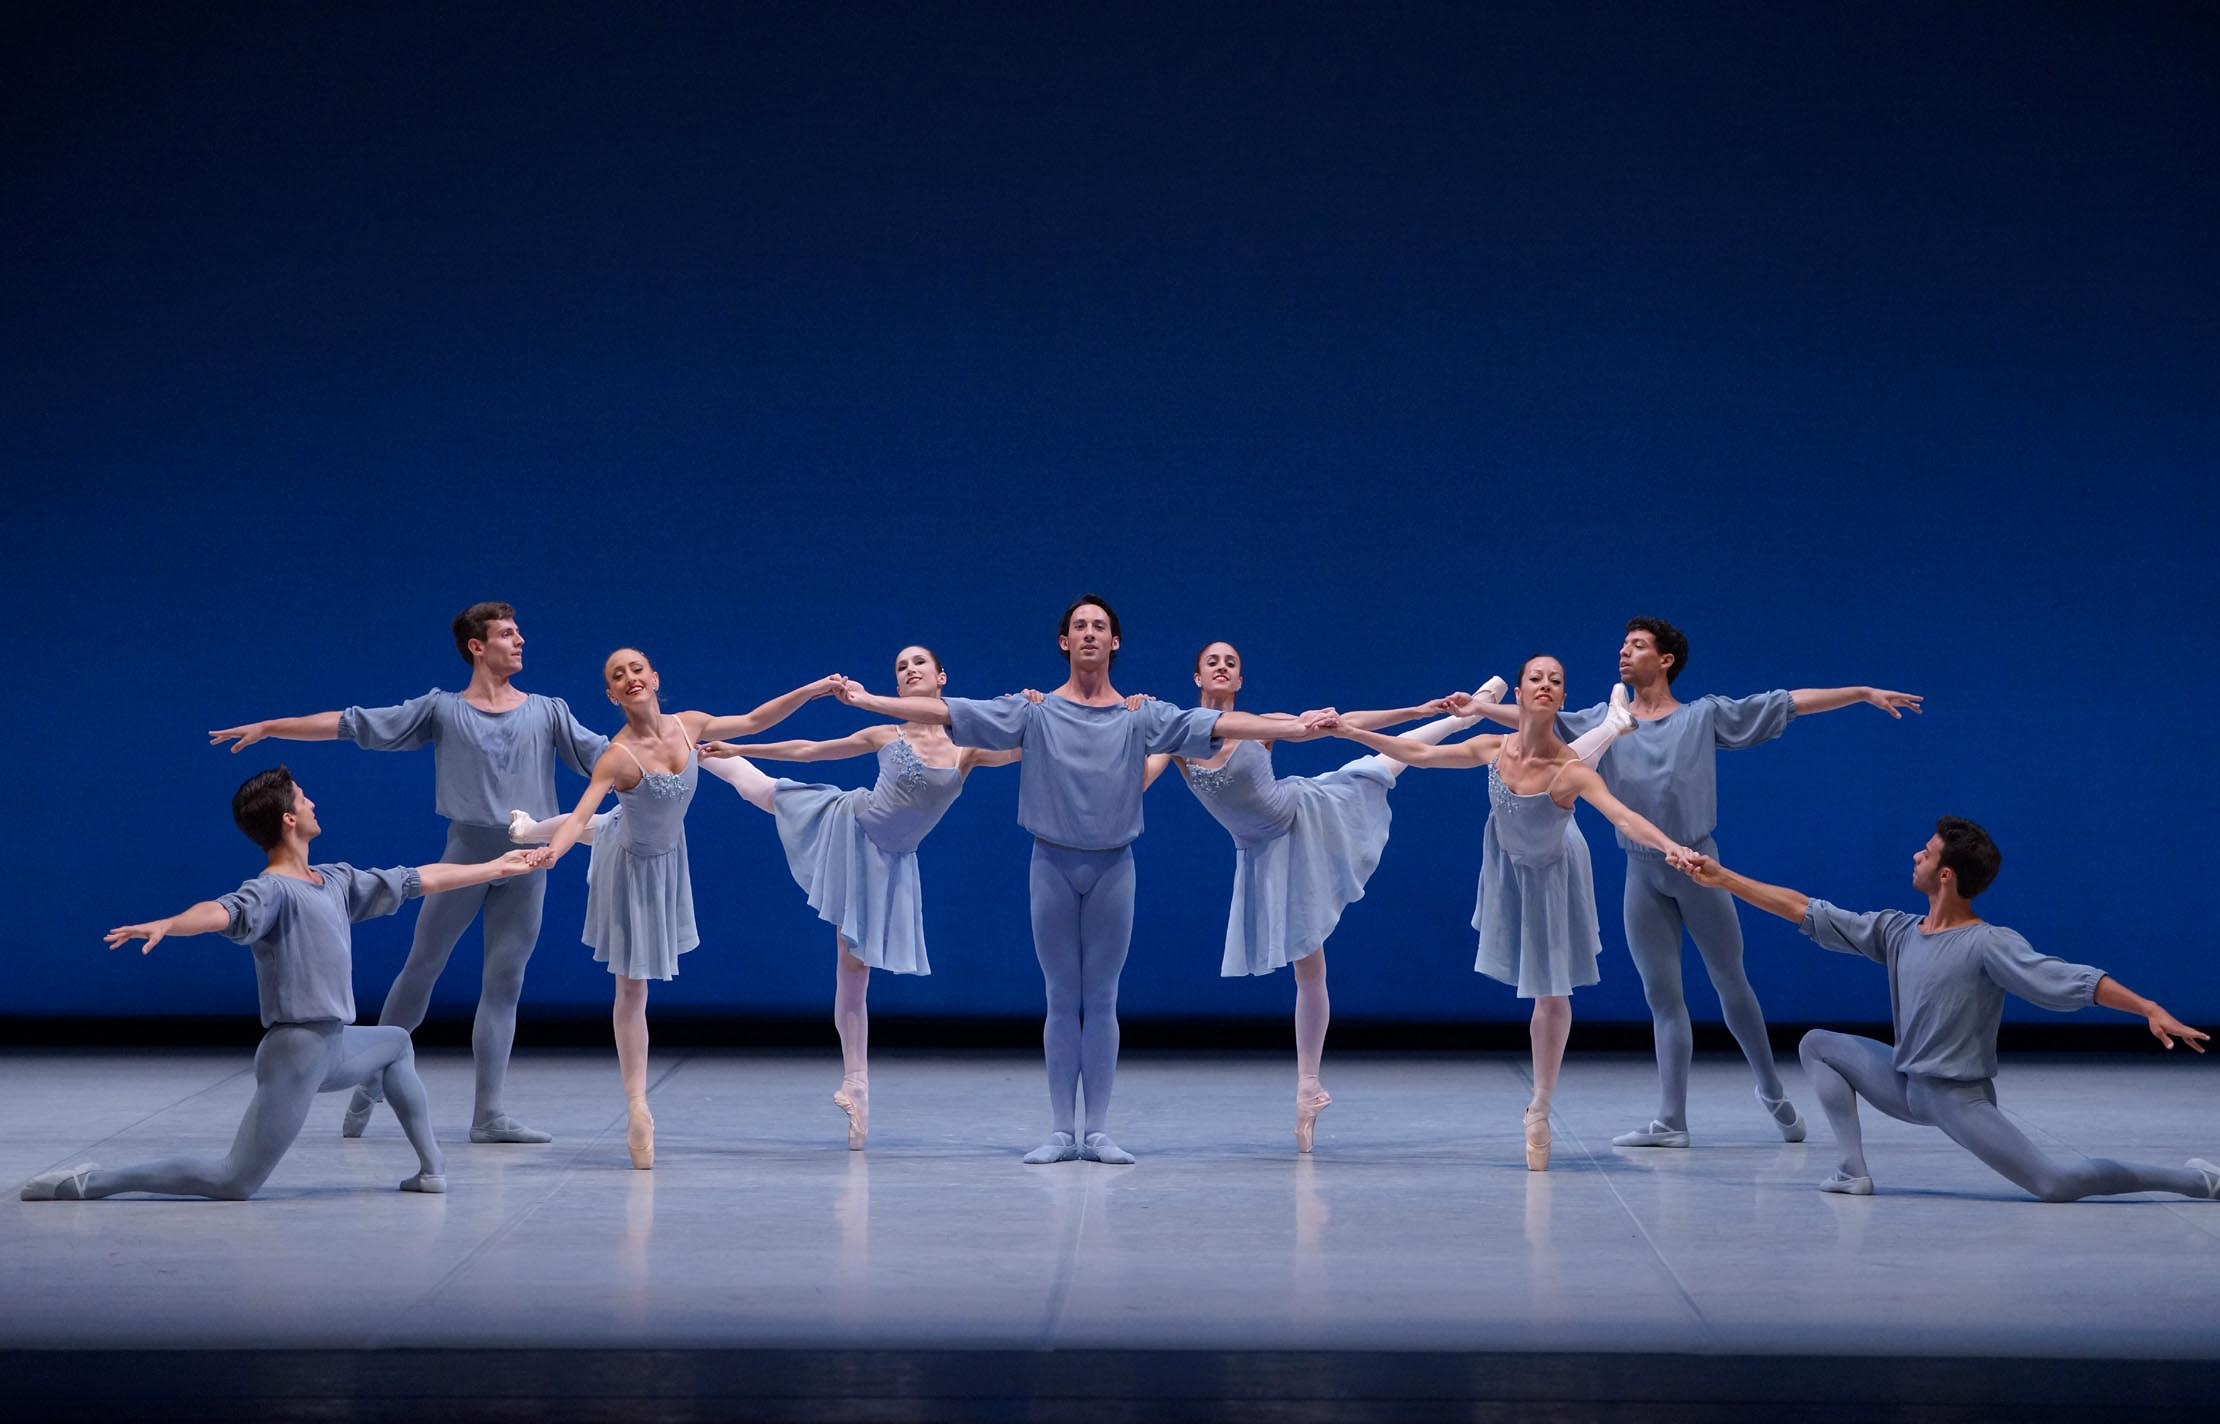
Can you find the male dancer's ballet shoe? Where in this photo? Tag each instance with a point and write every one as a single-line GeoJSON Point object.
{"type": "Point", "coordinates": [854, 1099]}
{"type": "Point", "coordinates": [1657, 1134]}
{"type": "Point", "coordinates": [1307, 1108]}
{"type": "Point", "coordinates": [357, 1116]}
{"type": "Point", "coordinates": [61, 1184]}
{"type": "Point", "coordinates": [1060, 1147]}
{"type": "Point", "coordinates": [1791, 1126]}
{"type": "Point", "coordinates": [507, 1129]}
{"type": "Point", "coordinates": [1620, 714]}
{"type": "Point", "coordinates": [2210, 1173]}
{"type": "Point", "coordinates": [430, 1183]}
{"type": "Point", "coordinates": [1537, 1139]}
{"type": "Point", "coordinates": [1846, 1185]}
{"type": "Point", "coordinates": [639, 1134]}
{"type": "Point", "coordinates": [1099, 1148]}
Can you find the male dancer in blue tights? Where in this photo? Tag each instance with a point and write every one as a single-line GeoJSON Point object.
{"type": "Point", "coordinates": [1948, 974]}
{"type": "Point", "coordinates": [296, 916]}
{"type": "Point", "coordinates": [494, 748]}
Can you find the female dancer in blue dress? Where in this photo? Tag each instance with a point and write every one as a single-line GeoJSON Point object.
{"type": "Point", "coordinates": [639, 899]}
{"type": "Point", "coordinates": [1305, 846]}
{"type": "Point", "coordinates": [854, 852]}
{"type": "Point", "coordinates": [1537, 908]}
{"type": "Point", "coordinates": [1086, 755]}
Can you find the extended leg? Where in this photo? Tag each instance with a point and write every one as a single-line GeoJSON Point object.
{"type": "Point", "coordinates": [1105, 936]}
{"type": "Point", "coordinates": [745, 777]}
{"type": "Point", "coordinates": [368, 1054]}
{"type": "Point", "coordinates": [1547, 1033]}
{"type": "Point", "coordinates": [628, 1017]}
{"type": "Point", "coordinates": [1653, 926]}
{"type": "Point", "coordinates": [512, 931]}
{"type": "Point", "coordinates": [1968, 1113]}
{"type": "Point", "coordinates": [851, 980]}
{"type": "Point", "coordinates": [1055, 908]}
{"type": "Point", "coordinates": [1844, 1068]}
{"type": "Point", "coordinates": [1709, 913]}
{"type": "Point", "coordinates": [1312, 1010]}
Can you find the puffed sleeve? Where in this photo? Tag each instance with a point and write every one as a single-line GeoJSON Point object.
{"type": "Point", "coordinates": [1738, 722]}
{"type": "Point", "coordinates": [995, 724]}
{"type": "Point", "coordinates": [1184, 732]}
{"type": "Point", "coordinates": [371, 893]}
{"type": "Point", "coordinates": [413, 724]}
{"type": "Point", "coordinates": [2044, 980]}
{"type": "Point", "coordinates": [253, 908]}
{"type": "Point", "coordinates": [1847, 933]}
{"type": "Point", "coordinates": [577, 744]}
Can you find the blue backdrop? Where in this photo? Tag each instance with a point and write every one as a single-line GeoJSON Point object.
{"type": "Point", "coordinates": [1870, 344]}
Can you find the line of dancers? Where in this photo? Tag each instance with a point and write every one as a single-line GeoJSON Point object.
{"type": "Point", "coordinates": [1304, 848]}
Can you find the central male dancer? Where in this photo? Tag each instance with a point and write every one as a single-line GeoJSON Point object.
{"type": "Point", "coordinates": [1667, 772]}
{"type": "Point", "coordinates": [1948, 974]}
{"type": "Point", "coordinates": [1079, 793]}
{"type": "Point", "coordinates": [494, 748]}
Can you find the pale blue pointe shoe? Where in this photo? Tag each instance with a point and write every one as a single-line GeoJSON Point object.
{"type": "Point", "coordinates": [60, 1184]}
{"type": "Point", "coordinates": [1657, 1134]}
{"type": "Point", "coordinates": [1060, 1147]}
{"type": "Point", "coordinates": [1099, 1148]}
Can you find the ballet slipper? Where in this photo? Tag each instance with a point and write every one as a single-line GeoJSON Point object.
{"type": "Point", "coordinates": [1099, 1148]}
{"type": "Point", "coordinates": [357, 1116]}
{"type": "Point", "coordinates": [1537, 1139]}
{"type": "Point", "coordinates": [639, 1133]}
{"type": "Point", "coordinates": [1792, 1127]}
{"type": "Point", "coordinates": [854, 1099]}
{"type": "Point", "coordinates": [2210, 1173]}
{"type": "Point", "coordinates": [431, 1183]}
{"type": "Point", "coordinates": [1060, 1147]}
{"type": "Point", "coordinates": [1846, 1185]}
{"type": "Point", "coordinates": [507, 1129]}
{"type": "Point", "coordinates": [1307, 1107]}
{"type": "Point", "coordinates": [1620, 714]}
{"type": "Point", "coordinates": [520, 828]}
{"type": "Point", "coordinates": [1657, 1134]}
{"type": "Point", "coordinates": [1491, 691]}
{"type": "Point", "coordinates": [60, 1184]}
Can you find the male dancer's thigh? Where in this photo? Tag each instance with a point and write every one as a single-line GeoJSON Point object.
{"type": "Point", "coordinates": [513, 909]}
{"type": "Point", "coordinates": [1106, 921]}
{"type": "Point", "coordinates": [362, 1053]}
{"type": "Point", "coordinates": [1869, 1067]}
{"type": "Point", "coordinates": [290, 1067]}
{"type": "Point", "coordinates": [1054, 905]}
{"type": "Point", "coordinates": [1710, 915]}
{"type": "Point", "coordinates": [1653, 924]}
{"type": "Point", "coordinates": [440, 922]}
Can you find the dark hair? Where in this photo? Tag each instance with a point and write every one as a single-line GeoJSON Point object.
{"type": "Point", "coordinates": [1671, 642]}
{"type": "Point", "coordinates": [928, 652]}
{"type": "Point", "coordinates": [1214, 642]}
{"type": "Point", "coordinates": [1063, 625]}
{"type": "Point", "coordinates": [260, 805]}
{"type": "Point", "coordinates": [1969, 854]}
{"type": "Point", "coordinates": [1530, 658]}
{"type": "Point", "coordinates": [471, 623]}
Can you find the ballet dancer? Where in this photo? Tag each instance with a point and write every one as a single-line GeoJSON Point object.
{"type": "Point", "coordinates": [494, 746]}
{"type": "Point", "coordinates": [1079, 794]}
{"type": "Point", "coordinates": [1949, 971]}
{"type": "Point", "coordinates": [854, 853]}
{"type": "Point", "coordinates": [1668, 772]}
{"type": "Point", "coordinates": [1537, 909]}
{"type": "Point", "coordinates": [1304, 847]}
{"type": "Point", "coordinates": [639, 893]}
{"type": "Point", "coordinates": [297, 917]}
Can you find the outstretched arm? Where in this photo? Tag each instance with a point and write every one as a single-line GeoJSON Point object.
{"type": "Point", "coordinates": [931, 711]}
{"type": "Point", "coordinates": [706, 728]}
{"type": "Point", "coordinates": [1474, 751]}
{"type": "Point", "coordinates": [203, 917]}
{"type": "Point", "coordinates": [1259, 726]}
{"type": "Point", "coordinates": [1791, 905]}
{"type": "Point", "coordinates": [441, 876]}
{"type": "Point", "coordinates": [973, 758]}
{"type": "Point", "coordinates": [2164, 1026]}
{"type": "Point", "coordinates": [1586, 784]}
{"type": "Point", "coordinates": [858, 743]}
{"type": "Point", "coordinates": [574, 825]}
{"type": "Point", "coordinates": [1808, 700]}
{"type": "Point", "coordinates": [1153, 768]}
{"type": "Point", "coordinates": [1375, 720]}
{"type": "Point", "coordinates": [315, 727]}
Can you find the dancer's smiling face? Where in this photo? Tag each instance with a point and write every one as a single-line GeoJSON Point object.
{"type": "Point", "coordinates": [501, 651]}
{"type": "Point", "coordinates": [1218, 668]}
{"type": "Point", "coordinates": [917, 673]}
{"type": "Point", "coordinates": [629, 679]}
{"type": "Point", "coordinates": [1087, 639]}
{"type": "Point", "coordinates": [1542, 683]}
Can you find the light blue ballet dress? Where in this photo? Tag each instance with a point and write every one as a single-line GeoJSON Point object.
{"type": "Point", "coordinates": [1537, 910]}
{"type": "Point", "coordinates": [854, 853]}
{"type": "Point", "coordinates": [1304, 846]}
{"type": "Point", "coordinates": [639, 896]}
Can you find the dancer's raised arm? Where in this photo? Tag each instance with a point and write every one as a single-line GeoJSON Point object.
{"type": "Point", "coordinates": [1584, 782]}
{"type": "Point", "coordinates": [574, 825]}
{"type": "Point", "coordinates": [315, 727]}
{"type": "Point", "coordinates": [862, 742]}
{"type": "Point", "coordinates": [932, 711]}
{"type": "Point", "coordinates": [1792, 905]}
{"type": "Point", "coordinates": [1808, 700]}
{"type": "Point", "coordinates": [702, 727]}
{"type": "Point", "coordinates": [209, 917]}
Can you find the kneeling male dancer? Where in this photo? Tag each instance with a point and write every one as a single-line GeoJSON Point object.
{"type": "Point", "coordinates": [1948, 975]}
{"type": "Point", "coordinates": [296, 916]}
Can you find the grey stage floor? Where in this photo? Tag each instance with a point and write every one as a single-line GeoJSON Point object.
{"type": "Point", "coordinates": [1413, 1228]}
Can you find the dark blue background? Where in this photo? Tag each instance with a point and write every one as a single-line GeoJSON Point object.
{"type": "Point", "coordinates": [1871, 344]}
